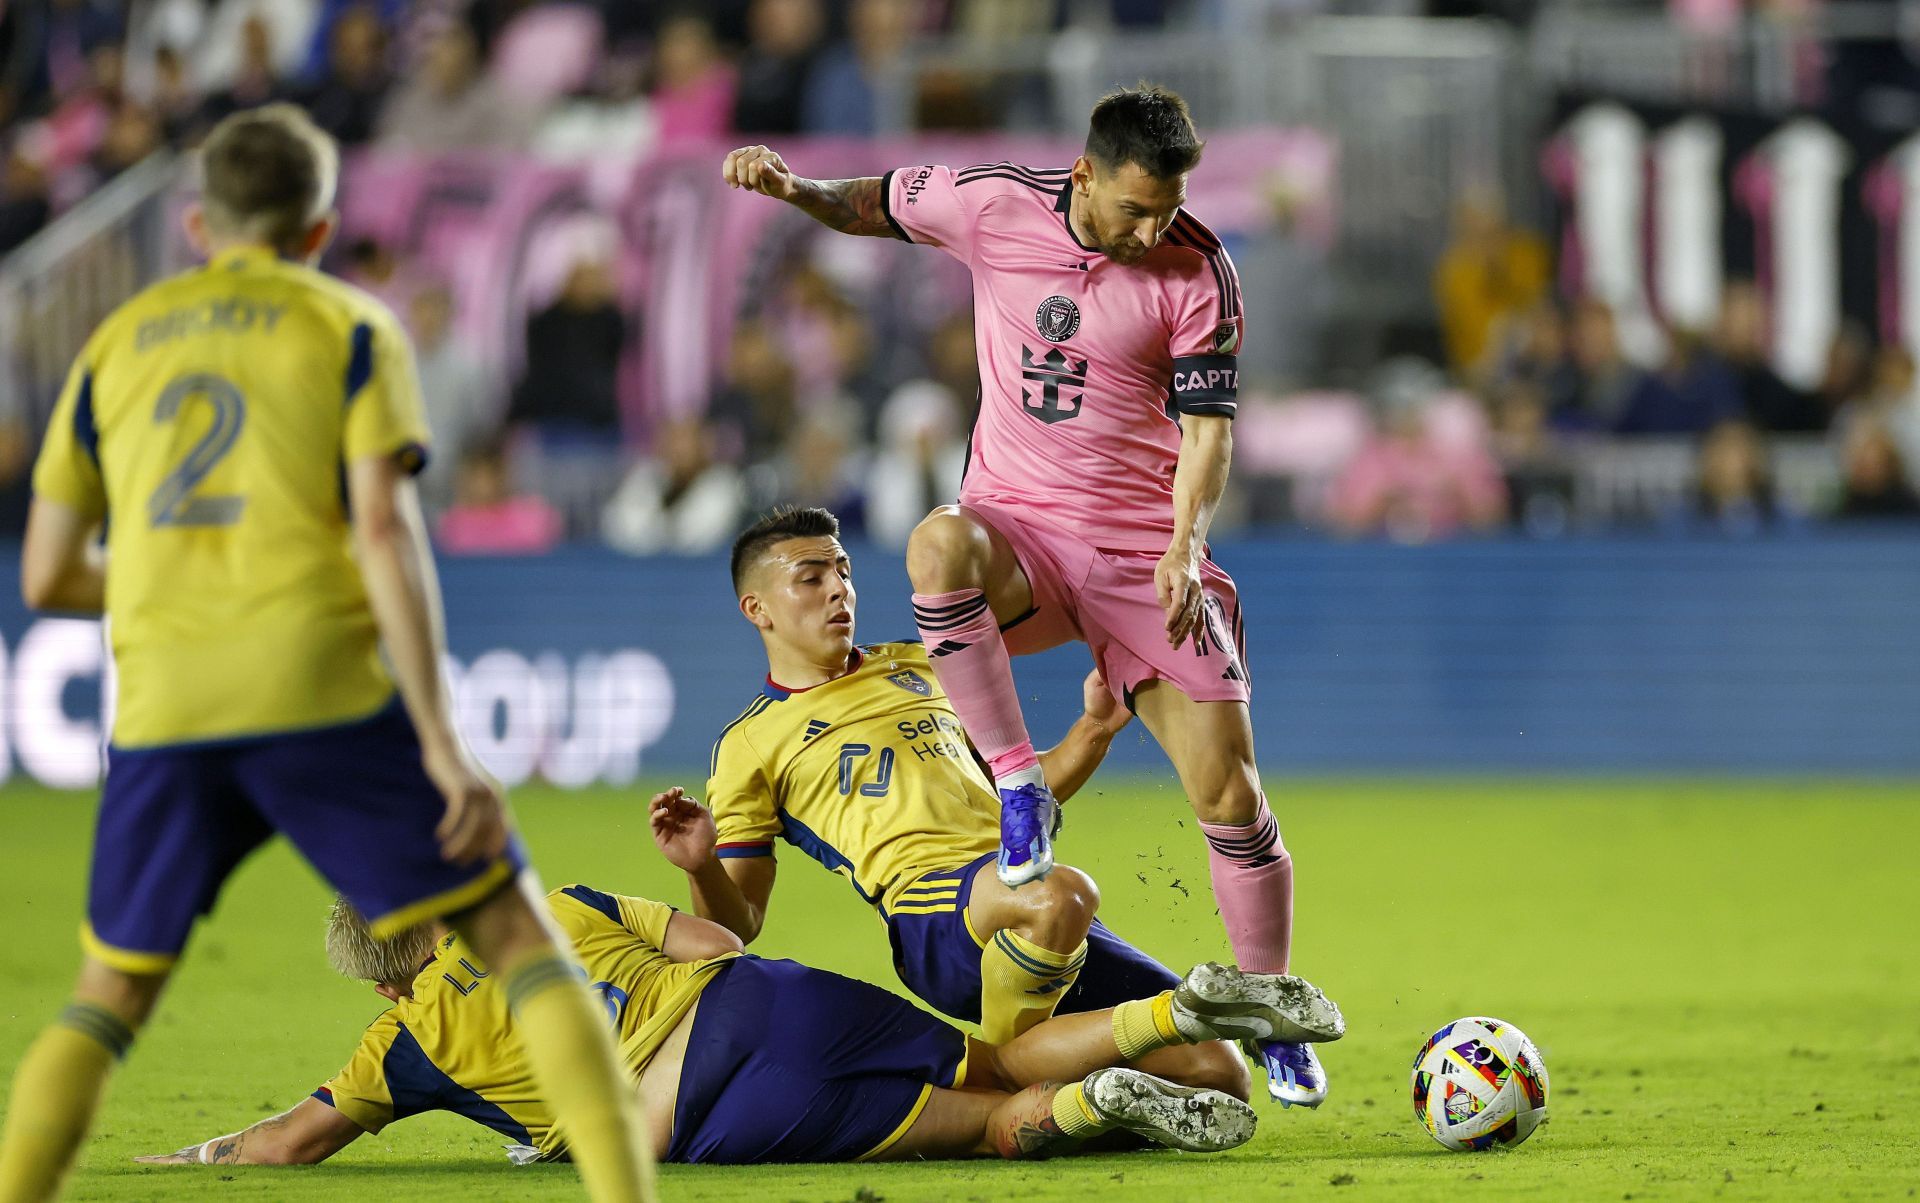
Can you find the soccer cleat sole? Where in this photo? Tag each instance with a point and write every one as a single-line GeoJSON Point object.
{"type": "Point", "coordinates": [1259, 1006]}
{"type": "Point", "coordinates": [1015, 876]}
{"type": "Point", "coordinates": [1189, 1118]}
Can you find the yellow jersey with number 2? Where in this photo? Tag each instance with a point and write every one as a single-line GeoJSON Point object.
{"type": "Point", "coordinates": [209, 422]}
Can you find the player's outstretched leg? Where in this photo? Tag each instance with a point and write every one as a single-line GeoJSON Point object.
{"type": "Point", "coordinates": [963, 575]}
{"type": "Point", "coordinates": [566, 1041]}
{"type": "Point", "coordinates": [1044, 1121]}
{"type": "Point", "coordinates": [1211, 746]}
{"type": "Point", "coordinates": [61, 1080]}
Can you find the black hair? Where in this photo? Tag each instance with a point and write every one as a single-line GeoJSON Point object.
{"type": "Point", "coordinates": [777, 526]}
{"type": "Point", "coordinates": [1146, 125]}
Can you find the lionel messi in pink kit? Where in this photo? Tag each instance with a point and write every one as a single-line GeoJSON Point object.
{"type": "Point", "coordinates": [1108, 321]}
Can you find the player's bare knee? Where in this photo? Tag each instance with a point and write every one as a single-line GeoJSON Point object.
{"type": "Point", "coordinates": [1219, 1066]}
{"type": "Point", "coordinates": [1234, 801]}
{"type": "Point", "coordinates": [1064, 903]}
{"type": "Point", "coordinates": [948, 551]}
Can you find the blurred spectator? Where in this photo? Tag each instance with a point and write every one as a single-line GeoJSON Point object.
{"type": "Point", "coordinates": [1889, 401]}
{"type": "Point", "coordinates": [1288, 284]}
{"type": "Point", "coordinates": [756, 401]}
{"type": "Point", "coordinates": [488, 517]}
{"type": "Point", "coordinates": [17, 448]}
{"type": "Point", "coordinates": [456, 388]}
{"type": "Point", "coordinates": [1538, 475]}
{"type": "Point", "coordinates": [171, 97]}
{"type": "Point", "coordinates": [784, 39]}
{"type": "Point", "coordinates": [919, 459]}
{"type": "Point", "coordinates": [254, 80]}
{"type": "Point", "coordinates": [1608, 387]}
{"type": "Point", "coordinates": [1735, 490]}
{"type": "Point", "coordinates": [1740, 339]}
{"type": "Point", "coordinates": [818, 464]}
{"type": "Point", "coordinates": [693, 86]}
{"type": "Point", "coordinates": [1406, 482]}
{"type": "Point", "coordinates": [1874, 477]}
{"type": "Point", "coordinates": [841, 96]}
{"type": "Point", "coordinates": [1489, 272]}
{"type": "Point", "coordinates": [227, 50]}
{"type": "Point", "coordinates": [451, 103]}
{"type": "Point", "coordinates": [1697, 390]}
{"type": "Point", "coordinates": [573, 358]}
{"type": "Point", "coordinates": [370, 264]}
{"type": "Point", "coordinates": [1848, 372]}
{"type": "Point", "coordinates": [1534, 355]}
{"type": "Point", "coordinates": [684, 500]}
{"type": "Point", "coordinates": [53, 43]}
{"type": "Point", "coordinates": [23, 198]}
{"type": "Point", "coordinates": [346, 101]}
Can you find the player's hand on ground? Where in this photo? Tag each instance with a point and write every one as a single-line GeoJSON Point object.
{"type": "Point", "coordinates": [1100, 704]}
{"type": "Point", "coordinates": [187, 1156]}
{"type": "Point", "coordinates": [1176, 579]}
{"type": "Point", "coordinates": [759, 169]}
{"type": "Point", "coordinates": [475, 825]}
{"type": "Point", "coordinates": [683, 829]}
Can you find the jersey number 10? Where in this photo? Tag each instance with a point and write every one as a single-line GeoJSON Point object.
{"type": "Point", "coordinates": [173, 503]}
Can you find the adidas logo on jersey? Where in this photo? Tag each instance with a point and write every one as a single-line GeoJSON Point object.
{"type": "Point", "coordinates": [814, 727]}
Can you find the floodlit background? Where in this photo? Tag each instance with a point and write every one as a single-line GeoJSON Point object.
{"type": "Point", "coordinates": [1573, 511]}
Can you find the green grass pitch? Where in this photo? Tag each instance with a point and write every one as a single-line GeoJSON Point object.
{"type": "Point", "coordinates": [1724, 979]}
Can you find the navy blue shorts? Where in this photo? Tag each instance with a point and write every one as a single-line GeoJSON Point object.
{"type": "Point", "coordinates": [938, 958]}
{"type": "Point", "coordinates": [787, 1063]}
{"type": "Point", "coordinates": [353, 798]}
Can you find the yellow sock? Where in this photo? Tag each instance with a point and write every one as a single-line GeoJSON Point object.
{"type": "Point", "coordinates": [55, 1093]}
{"type": "Point", "coordinates": [1071, 1112]}
{"type": "Point", "coordinates": [1146, 1024]}
{"type": "Point", "coordinates": [1021, 983]}
{"type": "Point", "coordinates": [594, 1098]}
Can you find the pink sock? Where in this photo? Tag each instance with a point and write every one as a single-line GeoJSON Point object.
{"type": "Point", "coordinates": [1253, 884]}
{"type": "Point", "coordinates": [970, 658]}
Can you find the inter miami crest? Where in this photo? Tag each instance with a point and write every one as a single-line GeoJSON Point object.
{"type": "Point", "coordinates": [912, 682]}
{"type": "Point", "coordinates": [1058, 318]}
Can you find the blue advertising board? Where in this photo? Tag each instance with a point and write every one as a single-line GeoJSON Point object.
{"type": "Point", "coordinates": [1798, 655]}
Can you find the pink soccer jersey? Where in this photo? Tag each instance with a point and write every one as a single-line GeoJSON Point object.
{"type": "Point", "coordinates": [1085, 363]}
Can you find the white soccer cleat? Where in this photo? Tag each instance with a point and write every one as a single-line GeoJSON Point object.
{"type": "Point", "coordinates": [1189, 1118]}
{"type": "Point", "coordinates": [1231, 1004]}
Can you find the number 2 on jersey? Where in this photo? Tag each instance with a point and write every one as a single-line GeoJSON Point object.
{"type": "Point", "coordinates": [173, 503]}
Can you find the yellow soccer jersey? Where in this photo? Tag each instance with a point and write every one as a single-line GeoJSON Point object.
{"type": "Point", "coordinates": [450, 1047]}
{"type": "Point", "coordinates": [869, 774]}
{"type": "Point", "coordinates": [210, 420]}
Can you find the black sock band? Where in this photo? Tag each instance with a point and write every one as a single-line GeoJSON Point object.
{"type": "Point", "coordinates": [99, 1025]}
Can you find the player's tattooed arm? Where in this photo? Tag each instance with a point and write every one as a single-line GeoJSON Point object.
{"type": "Point", "coordinates": [850, 206]}
{"type": "Point", "coordinates": [310, 1133]}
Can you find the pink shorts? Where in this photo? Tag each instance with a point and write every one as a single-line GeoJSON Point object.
{"type": "Point", "coordinates": [1106, 600]}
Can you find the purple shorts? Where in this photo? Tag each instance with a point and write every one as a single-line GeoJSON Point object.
{"type": "Point", "coordinates": [1106, 599]}
{"type": "Point", "coordinates": [175, 821]}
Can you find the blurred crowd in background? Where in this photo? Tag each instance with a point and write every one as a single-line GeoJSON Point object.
{"type": "Point", "coordinates": [1486, 423]}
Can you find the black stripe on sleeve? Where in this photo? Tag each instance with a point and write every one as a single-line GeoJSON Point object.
{"type": "Point", "coordinates": [886, 207]}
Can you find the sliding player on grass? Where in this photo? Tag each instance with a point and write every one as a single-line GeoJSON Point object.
{"type": "Point", "coordinates": [853, 756]}
{"type": "Point", "coordinates": [741, 1060]}
{"type": "Point", "coordinates": [251, 429]}
{"type": "Point", "coordinates": [1108, 321]}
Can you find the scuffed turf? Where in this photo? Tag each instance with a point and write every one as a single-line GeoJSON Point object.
{"type": "Point", "coordinates": [1724, 978]}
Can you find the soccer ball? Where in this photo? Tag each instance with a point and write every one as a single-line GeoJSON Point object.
{"type": "Point", "coordinates": [1478, 1083]}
